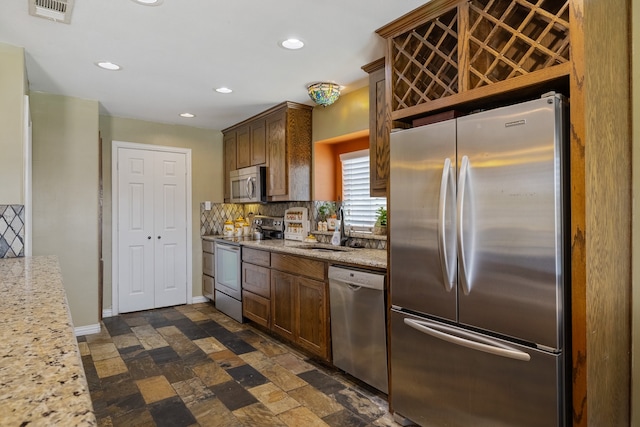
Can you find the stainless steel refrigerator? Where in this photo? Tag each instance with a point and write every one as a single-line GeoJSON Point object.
{"type": "Point", "coordinates": [477, 268]}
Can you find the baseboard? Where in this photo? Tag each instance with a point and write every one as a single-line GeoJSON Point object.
{"type": "Point", "coordinates": [107, 312]}
{"type": "Point", "coordinates": [199, 299]}
{"type": "Point", "coordinates": [87, 330]}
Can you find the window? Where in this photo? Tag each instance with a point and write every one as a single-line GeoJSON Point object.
{"type": "Point", "coordinates": [359, 208]}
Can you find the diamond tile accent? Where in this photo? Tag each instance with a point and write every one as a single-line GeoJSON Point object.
{"type": "Point", "coordinates": [11, 231]}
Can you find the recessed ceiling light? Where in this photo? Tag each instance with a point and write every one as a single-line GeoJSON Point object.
{"type": "Point", "coordinates": [223, 90]}
{"type": "Point", "coordinates": [106, 65]}
{"type": "Point", "coordinates": [187, 115]}
{"type": "Point", "coordinates": [148, 2]}
{"type": "Point", "coordinates": [292, 44]}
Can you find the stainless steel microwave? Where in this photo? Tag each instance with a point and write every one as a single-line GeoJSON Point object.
{"type": "Point", "coordinates": [248, 185]}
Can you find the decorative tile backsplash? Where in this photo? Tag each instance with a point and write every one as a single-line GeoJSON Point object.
{"type": "Point", "coordinates": [11, 231]}
{"type": "Point", "coordinates": [212, 221]}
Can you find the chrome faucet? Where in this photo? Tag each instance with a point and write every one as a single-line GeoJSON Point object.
{"type": "Point", "coordinates": [343, 237]}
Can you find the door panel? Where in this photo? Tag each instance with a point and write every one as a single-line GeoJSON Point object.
{"type": "Point", "coordinates": [439, 383]}
{"type": "Point", "coordinates": [170, 229]}
{"type": "Point", "coordinates": [417, 166]}
{"type": "Point", "coordinates": [135, 230]}
{"type": "Point", "coordinates": [152, 227]}
{"type": "Point", "coordinates": [511, 217]}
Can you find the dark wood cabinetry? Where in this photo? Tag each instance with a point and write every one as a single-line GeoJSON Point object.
{"type": "Point", "coordinates": [279, 138]}
{"type": "Point", "coordinates": [256, 286]}
{"type": "Point", "coordinates": [299, 302]}
{"type": "Point", "coordinates": [379, 129]}
{"type": "Point", "coordinates": [251, 148]}
{"type": "Point", "coordinates": [230, 160]}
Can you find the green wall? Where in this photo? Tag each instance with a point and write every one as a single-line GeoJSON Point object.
{"type": "Point", "coordinates": [349, 114]}
{"type": "Point", "coordinates": [12, 91]}
{"type": "Point", "coordinates": [65, 195]}
{"type": "Point", "coordinates": [206, 169]}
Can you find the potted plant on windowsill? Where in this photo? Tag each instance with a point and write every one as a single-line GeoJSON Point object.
{"type": "Point", "coordinates": [380, 227]}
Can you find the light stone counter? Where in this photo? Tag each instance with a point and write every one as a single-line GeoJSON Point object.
{"type": "Point", "coordinates": [42, 380]}
{"type": "Point", "coordinates": [366, 258]}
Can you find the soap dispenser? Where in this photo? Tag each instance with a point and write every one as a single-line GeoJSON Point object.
{"type": "Point", "coordinates": [335, 239]}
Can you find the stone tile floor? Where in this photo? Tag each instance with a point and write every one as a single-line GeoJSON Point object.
{"type": "Point", "coordinates": [194, 366]}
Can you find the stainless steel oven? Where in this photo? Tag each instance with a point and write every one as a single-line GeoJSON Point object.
{"type": "Point", "coordinates": [228, 264]}
{"type": "Point", "coordinates": [228, 280]}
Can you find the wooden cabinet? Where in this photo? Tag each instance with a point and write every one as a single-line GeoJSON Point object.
{"type": "Point", "coordinates": [288, 139]}
{"type": "Point", "coordinates": [256, 286]}
{"type": "Point", "coordinates": [379, 130]}
{"type": "Point", "coordinates": [460, 52]}
{"type": "Point", "coordinates": [230, 160]}
{"type": "Point", "coordinates": [279, 138]}
{"type": "Point", "coordinates": [251, 148]}
{"type": "Point", "coordinates": [208, 269]}
{"type": "Point", "coordinates": [299, 304]}
{"type": "Point", "coordinates": [243, 147]}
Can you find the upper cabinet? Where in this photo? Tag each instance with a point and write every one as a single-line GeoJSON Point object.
{"type": "Point", "coordinates": [379, 128]}
{"type": "Point", "coordinates": [454, 52]}
{"type": "Point", "coordinates": [279, 138]}
{"type": "Point", "coordinates": [251, 149]}
{"type": "Point", "coordinates": [230, 163]}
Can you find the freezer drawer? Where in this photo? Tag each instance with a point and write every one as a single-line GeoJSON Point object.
{"type": "Point", "coordinates": [436, 382]}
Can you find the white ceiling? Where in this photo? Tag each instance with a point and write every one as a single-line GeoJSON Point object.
{"type": "Point", "coordinates": [175, 55]}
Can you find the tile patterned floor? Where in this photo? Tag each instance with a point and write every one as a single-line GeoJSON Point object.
{"type": "Point", "coordinates": [193, 366]}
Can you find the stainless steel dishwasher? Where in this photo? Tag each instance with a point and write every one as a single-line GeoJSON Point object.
{"type": "Point", "coordinates": [358, 325]}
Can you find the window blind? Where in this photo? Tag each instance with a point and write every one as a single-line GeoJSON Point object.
{"type": "Point", "coordinates": [360, 209]}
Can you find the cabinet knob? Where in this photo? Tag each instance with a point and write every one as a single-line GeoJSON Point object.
{"type": "Point", "coordinates": [159, 237]}
{"type": "Point", "coordinates": [149, 237]}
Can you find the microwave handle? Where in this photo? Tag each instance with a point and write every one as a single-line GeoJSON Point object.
{"type": "Point", "coordinates": [251, 188]}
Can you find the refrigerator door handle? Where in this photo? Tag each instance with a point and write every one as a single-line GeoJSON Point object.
{"type": "Point", "coordinates": [465, 278]}
{"type": "Point", "coordinates": [471, 341]}
{"type": "Point", "coordinates": [445, 184]}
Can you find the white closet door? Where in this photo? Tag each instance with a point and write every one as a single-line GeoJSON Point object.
{"type": "Point", "coordinates": [152, 229]}
{"type": "Point", "coordinates": [135, 230]}
{"type": "Point", "coordinates": [170, 225]}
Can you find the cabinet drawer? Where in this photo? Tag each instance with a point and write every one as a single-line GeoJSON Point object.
{"type": "Point", "coordinates": [208, 264]}
{"type": "Point", "coordinates": [256, 308]}
{"type": "Point", "coordinates": [207, 246]}
{"type": "Point", "coordinates": [298, 265]}
{"type": "Point", "coordinates": [255, 256]}
{"type": "Point", "coordinates": [256, 279]}
{"type": "Point", "coordinates": [207, 286]}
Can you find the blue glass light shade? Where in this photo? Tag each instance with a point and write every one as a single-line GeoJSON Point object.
{"type": "Point", "coordinates": [324, 93]}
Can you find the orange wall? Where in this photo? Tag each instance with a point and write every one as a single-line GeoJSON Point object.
{"type": "Point", "coordinates": [323, 172]}
{"type": "Point", "coordinates": [327, 169]}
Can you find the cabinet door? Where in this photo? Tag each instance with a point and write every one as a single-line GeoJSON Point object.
{"type": "Point", "coordinates": [258, 143]}
{"type": "Point", "coordinates": [277, 152]}
{"type": "Point", "coordinates": [379, 128]}
{"type": "Point", "coordinates": [243, 139]}
{"type": "Point", "coordinates": [207, 286]}
{"type": "Point", "coordinates": [229, 142]}
{"type": "Point", "coordinates": [256, 308]}
{"type": "Point", "coordinates": [256, 279]}
{"type": "Point", "coordinates": [282, 304]}
{"type": "Point", "coordinates": [312, 316]}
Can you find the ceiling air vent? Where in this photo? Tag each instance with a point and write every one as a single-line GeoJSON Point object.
{"type": "Point", "coordinates": [55, 10]}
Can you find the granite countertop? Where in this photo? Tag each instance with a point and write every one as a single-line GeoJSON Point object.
{"type": "Point", "coordinates": [372, 258]}
{"type": "Point", "coordinates": [42, 380]}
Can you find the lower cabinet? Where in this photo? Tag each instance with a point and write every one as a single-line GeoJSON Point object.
{"type": "Point", "coordinates": [208, 269]}
{"type": "Point", "coordinates": [256, 286]}
{"type": "Point", "coordinates": [299, 305]}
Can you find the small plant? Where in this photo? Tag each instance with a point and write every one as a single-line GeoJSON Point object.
{"type": "Point", "coordinates": [326, 210]}
{"type": "Point", "coordinates": [381, 219]}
